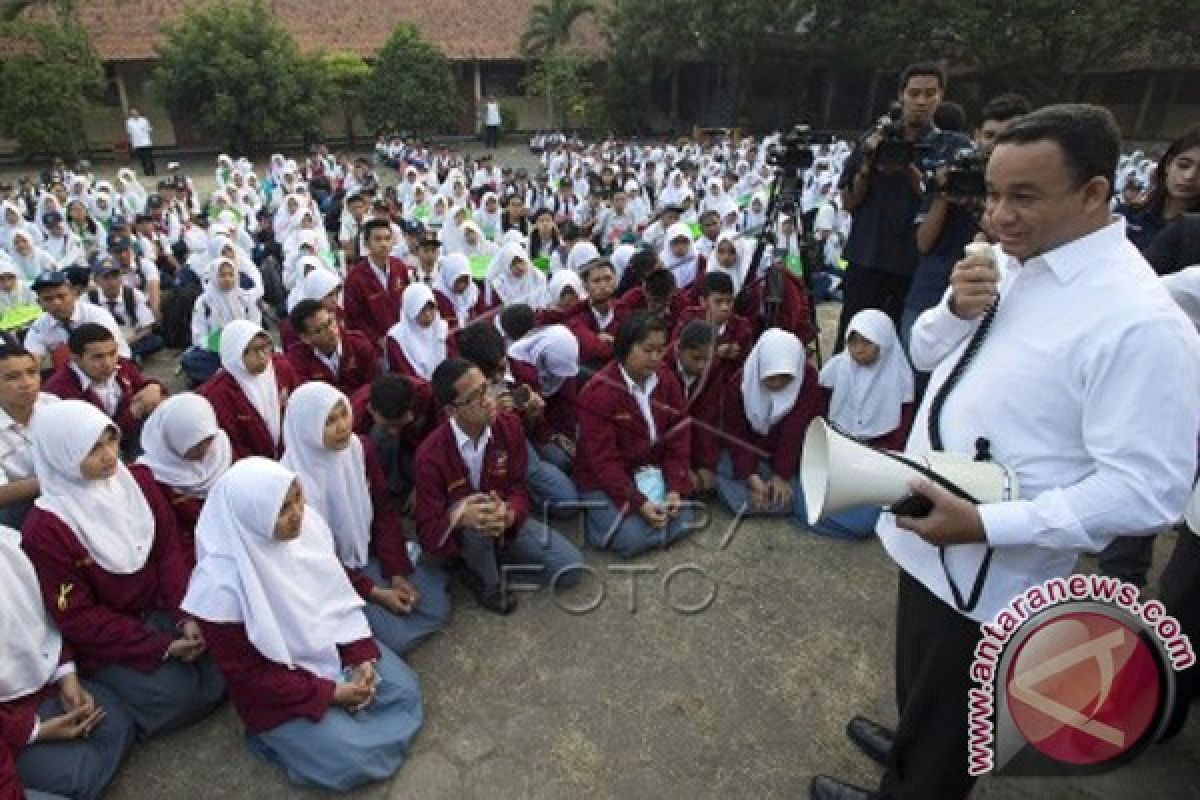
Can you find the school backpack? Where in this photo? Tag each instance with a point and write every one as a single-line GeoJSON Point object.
{"type": "Point", "coordinates": [127, 303]}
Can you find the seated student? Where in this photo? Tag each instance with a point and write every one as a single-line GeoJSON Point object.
{"type": "Point", "coordinates": [374, 285]}
{"type": "Point", "coordinates": [113, 574]}
{"type": "Point", "coordinates": [691, 357]}
{"type": "Point", "coordinates": [114, 385]}
{"type": "Point", "coordinates": [345, 359]}
{"type": "Point", "coordinates": [657, 296]}
{"type": "Point", "coordinates": [250, 391]}
{"type": "Point", "coordinates": [221, 303]}
{"type": "Point", "coordinates": [342, 479]}
{"type": "Point", "coordinates": [731, 255]}
{"type": "Point", "coordinates": [128, 307]}
{"type": "Point", "coordinates": [63, 311]}
{"type": "Point", "coordinates": [459, 298]}
{"type": "Point", "coordinates": [792, 312]}
{"type": "Point", "coordinates": [424, 268]}
{"type": "Point", "coordinates": [417, 343]}
{"type": "Point", "coordinates": [679, 255]}
{"type": "Point", "coordinates": [768, 407]}
{"type": "Point", "coordinates": [14, 291]}
{"type": "Point", "coordinates": [595, 321]}
{"type": "Point", "coordinates": [21, 398]}
{"type": "Point", "coordinates": [633, 468]}
{"type": "Point", "coordinates": [564, 291]}
{"type": "Point", "coordinates": [547, 361]}
{"type": "Point", "coordinates": [315, 693]}
{"type": "Point", "coordinates": [870, 386]}
{"type": "Point", "coordinates": [472, 502]}
{"type": "Point", "coordinates": [184, 451]}
{"type": "Point", "coordinates": [322, 285]}
{"type": "Point", "coordinates": [384, 412]}
{"type": "Point", "coordinates": [68, 735]}
{"type": "Point", "coordinates": [630, 281]}
{"type": "Point", "coordinates": [512, 279]}
{"type": "Point", "coordinates": [485, 347]}
{"type": "Point", "coordinates": [734, 334]}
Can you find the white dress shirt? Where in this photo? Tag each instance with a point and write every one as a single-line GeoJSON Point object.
{"type": "Point", "coordinates": [472, 452]}
{"type": "Point", "coordinates": [109, 392]}
{"type": "Point", "coordinates": [47, 333]}
{"type": "Point", "coordinates": [1088, 386]}
{"type": "Point", "coordinates": [16, 444]}
{"type": "Point", "coordinates": [642, 395]}
{"type": "Point", "coordinates": [138, 129]}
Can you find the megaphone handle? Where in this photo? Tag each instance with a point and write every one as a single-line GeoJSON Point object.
{"type": "Point", "coordinates": [915, 505]}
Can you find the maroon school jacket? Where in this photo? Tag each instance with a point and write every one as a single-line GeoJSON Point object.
{"type": "Point", "coordinates": [267, 694]}
{"type": "Point", "coordinates": [559, 416]}
{"type": "Point", "coordinates": [18, 716]}
{"type": "Point", "coordinates": [738, 330]}
{"type": "Point", "coordinates": [388, 540]}
{"type": "Point", "coordinates": [100, 614]}
{"type": "Point", "coordinates": [443, 480]}
{"type": "Point", "coordinates": [781, 446]}
{"type": "Point", "coordinates": [357, 366]}
{"type": "Point", "coordinates": [794, 313]}
{"type": "Point", "coordinates": [185, 507]}
{"type": "Point", "coordinates": [703, 404]}
{"type": "Point", "coordinates": [594, 352]}
{"type": "Point", "coordinates": [482, 309]}
{"type": "Point", "coordinates": [371, 307]}
{"type": "Point", "coordinates": [615, 441]}
{"type": "Point", "coordinates": [248, 434]}
{"type": "Point", "coordinates": [64, 384]}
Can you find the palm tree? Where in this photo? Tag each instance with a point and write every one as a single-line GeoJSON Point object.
{"type": "Point", "coordinates": [550, 24]}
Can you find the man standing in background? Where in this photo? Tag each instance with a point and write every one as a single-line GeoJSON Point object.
{"type": "Point", "coordinates": [138, 129]}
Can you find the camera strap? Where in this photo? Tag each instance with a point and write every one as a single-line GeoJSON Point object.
{"type": "Point", "coordinates": [935, 442]}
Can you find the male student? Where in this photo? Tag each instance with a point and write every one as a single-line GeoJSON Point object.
{"type": "Point", "coordinates": [693, 360]}
{"type": "Point", "coordinates": [734, 334]}
{"type": "Point", "coordinates": [374, 285]}
{"type": "Point", "coordinates": [595, 321]}
{"type": "Point", "coordinates": [128, 307]}
{"type": "Point", "coordinates": [97, 375]}
{"type": "Point", "coordinates": [64, 312]}
{"type": "Point", "coordinates": [20, 398]}
{"type": "Point", "coordinates": [346, 359]}
{"type": "Point", "coordinates": [472, 504]}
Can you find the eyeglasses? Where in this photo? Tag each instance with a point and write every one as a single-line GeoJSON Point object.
{"type": "Point", "coordinates": [473, 398]}
{"type": "Point", "coordinates": [325, 327]}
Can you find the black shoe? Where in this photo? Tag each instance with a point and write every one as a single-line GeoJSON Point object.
{"type": "Point", "coordinates": [872, 738]}
{"type": "Point", "coordinates": [495, 599]}
{"type": "Point", "coordinates": [826, 788]}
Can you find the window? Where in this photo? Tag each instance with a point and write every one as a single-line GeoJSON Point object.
{"type": "Point", "coordinates": [503, 78]}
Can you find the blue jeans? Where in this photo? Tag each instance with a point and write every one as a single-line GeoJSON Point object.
{"type": "Point", "coordinates": [199, 364]}
{"type": "Point", "coordinates": [735, 494]}
{"type": "Point", "coordinates": [628, 534]}
{"type": "Point", "coordinates": [549, 486]}
{"type": "Point", "coordinates": [148, 345]}
{"type": "Point", "coordinates": [537, 553]}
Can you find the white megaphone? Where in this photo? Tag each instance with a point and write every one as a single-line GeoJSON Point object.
{"type": "Point", "coordinates": [838, 473]}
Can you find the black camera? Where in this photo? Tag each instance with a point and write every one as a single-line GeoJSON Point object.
{"type": "Point", "coordinates": [893, 152]}
{"type": "Point", "coordinates": [966, 174]}
{"type": "Point", "coordinates": [794, 152]}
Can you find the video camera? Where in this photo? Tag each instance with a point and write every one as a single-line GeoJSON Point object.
{"type": "Point", "coordinates": [894, 152]}
{"type": "Point", "coordinates": [794, 151]}
{"type": "Point", "coordinates": [966, 174]}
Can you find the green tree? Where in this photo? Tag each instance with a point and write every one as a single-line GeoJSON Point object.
{"type": "Point", "coordinates": [348, 73]}
{"type": "Point", "coordinates": [413, 86]}
{"type": "Point", "coordinates": [550, 23]}
{"type": "Point", "coordinates": [561, 78]}
{"type": "Point", "coordinates": [238, 74]}
{"type": "Point", "coordinates": [44, 85]}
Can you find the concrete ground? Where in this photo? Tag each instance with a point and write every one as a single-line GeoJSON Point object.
{"type": "Point", "coordinates": [747, 698]}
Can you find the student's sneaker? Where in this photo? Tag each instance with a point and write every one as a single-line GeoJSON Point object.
{"type": "Point", "coordinates": [494, 598]}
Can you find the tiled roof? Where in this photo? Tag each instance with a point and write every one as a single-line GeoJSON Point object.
{"type": "Point", "coordinates": [484, 30]}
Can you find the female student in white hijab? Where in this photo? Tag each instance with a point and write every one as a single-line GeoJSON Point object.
{"type": "Point", "coordinates": [512, 279]}
{"type": "Point", "coordinates": [871, 400]}
{"type": "Point", "coordinates": [14, 290]}
{"type": "Point", "coordinates": [28, 256]}
{"type": "Point", "coordinates": [221, 302]}
{"type": "Point", "coordinates": [11, 219]}
{"type": "Point", "coordinates": [343, 481]}
{"type": "Point", "coordinates": [112, 571]}
{"type": "Point", "coordinates": [474, 243]}
{"type": "Point", "coordinates": [731, 255]}
{"type": "Point", "coordinates": [564, 290]}
{"type": "Point", "coordinates": [184, 451]}
{"type": "Point", "coordinates": [417, 343]}
{"type": "Point", "coordinates": [547, 360]}
{"type": "Point", "coordinates": [679, 255]}
{"type": "Point", "coordinates": [459, 298]}
{"type": "Point", "coordinates": [68, 735]}
{"type": "Point", "coordinates": [769, 404]}
{"type": "Point", "coordinates": [487, 216]}
{"type": "Point", "coordinates": [316, 694]}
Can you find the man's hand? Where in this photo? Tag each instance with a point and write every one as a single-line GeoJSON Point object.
{"type": "Point", "coordinates": [729, 351]}
{"type": "Point", "coordinates": [390, 599]}
{"type": "Point", "coordinates": [472, 511]}
{"type": "Point", "coordinates": [974, 284]}
{"type": "Point", "coordinates": [73, 695]}
{"type": "Point", "coordinates": [535, 406]}
{"type": "Point", "coordinates": [74, 724]}
{"type": "Point", "coordinates": [673, 504]}
{"type": "Point", "coordinates": [146, 400]}
{"type": "Point", "coordinates": [952, 521]}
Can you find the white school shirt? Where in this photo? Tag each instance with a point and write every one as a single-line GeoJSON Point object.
{"type": "Point", "coordinates": [109, 392]}
{"type": "Point", "coordinates": [139, 132]}
{"type": "Point", "coordinates": [16, 444]}
{"type": "Point", "coordinates": [493, 114]}
{"type": "Point", "coordinates": [47, 333]}
{"type": "Point", "coordinates": [472, 452]}
{"type": "Point", "coordinates": [1088, 386]}
{"type": "Point", "coordinates": [642, 396]}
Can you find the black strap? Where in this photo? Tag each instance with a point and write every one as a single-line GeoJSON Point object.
{"type": "Point", "coordinates": [935, 442]}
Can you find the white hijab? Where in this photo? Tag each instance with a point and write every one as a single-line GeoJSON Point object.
{"type": "Point", "coordinates": [293, 597]}
{"type": "Point", "coordinates": [424, 348]}
{"type": "Point", "coordinates": [334, 481]}
{"type": "Point", "coordinates": [684, 269]}
{"type": "Point", "coordinates": [180, 423]}
{"type": "Point", "coordinates": [110, 517]}
{"type": "Point", "coordinates": [224, 307]}
{"type": "Point", "coordinates": [32, 645]}
{"type": "Point", "coordinates": [620, 258]}
{"type": "Point", "coordinates": [582, 253]}
{"type": "Point", "coordinates": [455, 266]}
{"type": "Point", "coordinates": [511, 290]}
{"type": "Point", "coordinates": [868, 401]}
{"type": "Point", "coordinates": [553, 351]}
{"type": "Point", "coordinates": [316, 285]}
{"type": "Point", "coordinates": [778, 352]}
{"type": "Point", "coordinates": [563, 279]}
{"type": "Point", "coordinates": [737, 272]}
{"type": "Point", "coordinates": [261, 390]}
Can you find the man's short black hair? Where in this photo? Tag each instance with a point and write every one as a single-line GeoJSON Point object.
{"type": "Point", "coordinates": [446, 375]}
{"type": "Point", "coordinates": [390, 395]}
{"type": "Point", "coordinates": [302, 313]}
{"type": "Point", "coordinates": [372, 224]}
{"type": "Point", "coordinates": [950, 116]}
{"type": "Point", "coordinates": [481, 344]}
{"type": "Point", "coordinates": [1087, 135]}
{"type": "Point", "coordinates": [923, 68]}
{"type": "Point", "coordinates": [709, 216]}
{"type": "Point", "coordinates": [659, 284]}
{"type": "Point", "coordinates": [570, 232]}
{"type": "Point", "coordinates": [88, 333]}
{"type": "Point", "coordinates": [716, 283]}
{"type": "Point", "coordinates": [635, 330]}
{"type": "Point", "coordinates": [517, 320]}
{"type": "Point", "coordinates": [696, 334]}
{"type": "Point", "coordinates": [1004, 107]}
{"type": "Point", "coordinates": [11, 347]}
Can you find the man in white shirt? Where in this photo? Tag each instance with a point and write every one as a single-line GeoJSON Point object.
{"type": "Point", "coordinates": [20, 397]}
{"type": "Point", "coordinates": [64, 312]}
{"type": "Point", "coordinates": [1087, 385]}
{"type": "Point", "coordinates": [138, 129]}
{"type": "Point", "coordinates": [491, 122]}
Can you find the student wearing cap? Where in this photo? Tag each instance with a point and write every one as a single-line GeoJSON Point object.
{"type": "Point", "coordinates": [374, 286]}
{"type": "Point", "coordinates": [138, 272]}
{"type": "Point", "coordinates": [128, 307]}
{"type": "Point", "coordinates": [63, 311]}
{"type": "Point", "coordinates": [425, 268]}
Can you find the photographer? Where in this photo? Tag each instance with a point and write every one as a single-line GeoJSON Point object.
{"type": "Point", "coordinates": [1084, 382]}
{"type": "Point", "coordinates": [881, 186]}
{"type": "Point", "coordinates": [949, 221]}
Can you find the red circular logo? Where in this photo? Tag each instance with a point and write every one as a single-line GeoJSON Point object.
{"type": "Point", "coordinates": [1083, 688]}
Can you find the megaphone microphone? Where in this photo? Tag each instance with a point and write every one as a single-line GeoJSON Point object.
{"type": "Point", "coordinates": [838, 473]}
